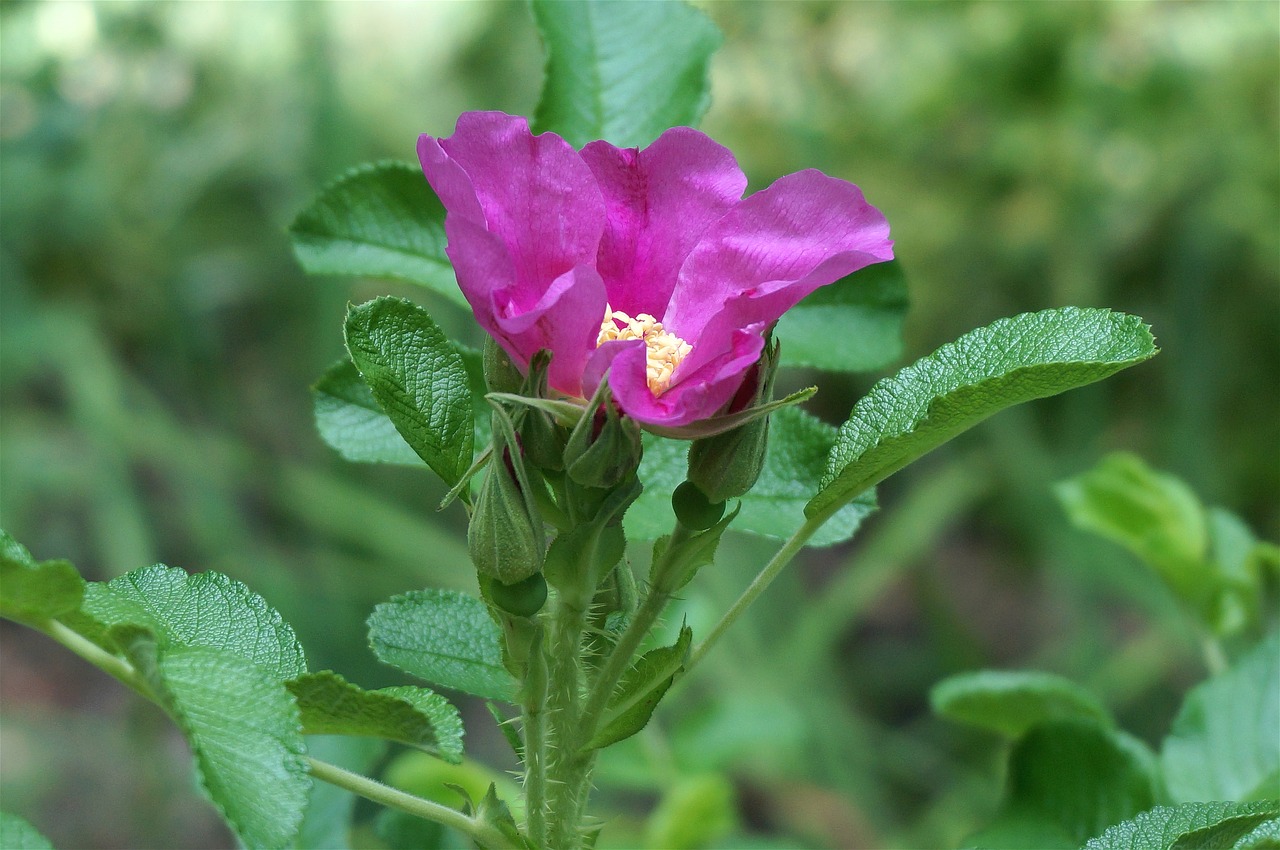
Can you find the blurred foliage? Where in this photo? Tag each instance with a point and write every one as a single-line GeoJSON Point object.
{"type": "Point", "coordinates": [157, 342]}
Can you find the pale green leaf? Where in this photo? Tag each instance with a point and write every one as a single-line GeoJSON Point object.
{"type": "Point", "coordinates": [1012, 701]}
{"type": "Point", "coordinates": [1190, 826]}
{"type": "Point", "coordinates": [351, 422]}
{"type": "Point", "coordinates": [622, 71]}
{"type": "Point", "coordinates": [31, 590]}
{"type": "Point", "coordinates": [17, 834]}
{"type": "Point", "coordinates": [445, 638]}
{"type": "Point", "coordinates": [378, 220]}
{"type": "Point", "coordinates": [640, 691]}
{"type": "Point", "coordinates": [939, 396]}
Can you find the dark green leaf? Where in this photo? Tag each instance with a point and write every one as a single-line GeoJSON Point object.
{"type": "Point", "coordinates": [1265, 836]}
{"type": "Point", "coordinates": [350, 420]}
{"type": "Point", "coordinates": [418, 378]}
{"type": "Point", "coordinates": [32, 591]}
{"type": "Point", "coordinates": [17, 834]}
{"type": "Point", "coordinates": [795, 460]}
{"type": "Point", "coordinates": [330, 705]}
{"type": "Point", "coordinates": [1190, 826]}
{"type": "Point", "coordinates": [622, 71]}
{"type": "Point", "coordinates": [243, 729]}
{"type": "Point", "coordinates": [1225, 741]}
{"type": "Point", "coordinates": [939, 396]}
{"type": "Point", "coordinates": [640, 691]}
{"type": "Point", "coordinates": [379, 220]}
{"type": "Point", "coordinates": [443, 637]}
{"type": "Point", "coordinates": [1012, 701]}
{"type": "Point", "coordinates": [853, 325]}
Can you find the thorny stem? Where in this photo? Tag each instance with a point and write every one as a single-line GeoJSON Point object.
{"type": "Point", "coordinates": [566, 774]}
{"type": "Point", "coordinates": [535, 745]}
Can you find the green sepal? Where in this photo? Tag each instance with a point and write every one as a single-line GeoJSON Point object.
{"type": "Point", "coordinates": [506, 536]}
{"type": "Point", "coordinates": [640, 691]}
{"type": "Point", "coordinates": [675, 566]}
{"type": "Point", "coordinates": [579, 557]}
{"type": "Point", "coordinates": [604, 447]}
{"type": "Point", "coordinates": [542, 436]}
{"type": "Point", "coordinates": [501, 375]}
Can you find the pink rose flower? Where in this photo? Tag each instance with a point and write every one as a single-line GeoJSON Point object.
{"type": "Point", "coordinates": [645, 264]}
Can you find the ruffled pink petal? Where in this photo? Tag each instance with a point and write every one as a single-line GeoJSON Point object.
{"type": "Point", "coordinates": [659, 200]}
{"type": "Point", "coordinates": [777, 246]}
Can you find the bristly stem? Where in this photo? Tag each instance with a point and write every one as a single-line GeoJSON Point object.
{"type": "Point", "coordinates": [535, 744]}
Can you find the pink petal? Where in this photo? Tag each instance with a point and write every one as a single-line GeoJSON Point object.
{"type": "Point", "coordinates": [777, 246]}
{"type": "Point", "coordinates": [659, 200]}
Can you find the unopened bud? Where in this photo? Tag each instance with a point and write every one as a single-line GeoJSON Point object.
{"type": "Point", "coordinates": [506, 534]}
{"type": "Point", "coordinates": [604, 447]}
{"type": "Point", "coordinates": [523, 598]}
{"type": "Point", "coordinates": [694, 510]}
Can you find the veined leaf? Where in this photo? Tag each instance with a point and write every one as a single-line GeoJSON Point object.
{"type": "Point", "coordinates": [351, 422]}
{"type": "Point", "coordinates": [1012, 701]}
{"type": "Point", "coordinates": [939, 396]}
{"type": "Point", "coordinates": [1190, 826]}
{"type": "Point", "coordinates": [31, 590]}
{"type": "Point", "coordinates": [640, 691]}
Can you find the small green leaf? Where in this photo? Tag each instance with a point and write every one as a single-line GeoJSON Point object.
{"type": "Point", "coordinates": [418, 378]}
{"type": "Point", "coordinates": [795, 460]}
{"type": "Point", "coordinates": [640, 691]}
{"type": "Point", "coordinates": [696, 812]}
{"type": "Point", "coordinates": [32, 591]}
{"type": "Point", "coordinates": [1190, 826]}
{"type": "Point", "coordinates": [624, 72]}
{"type": "Point", "coordinates": [1012, 701]}
{"type": "Point", "coordinates": [1265, 837]}
{"type": "Point", "coordinates": [445, 638]}
{"type": "Point", "coordinates": [939, 396]}
{"type": "Point", "coordinates": [16, 833]}
{"type": "Point", "coordinates": [244, 732]}
{"type": "Point", "coordinates": [330, 705]}
{"type": "Point", "coordinates": [853, 325]}
{"type": "Point", "coordinates": [1225, 741]}
{"type": "Point", "coordinates": [1082, 776]}
{"type": "Point", "coordinates": [378, 220]}
{"type": "Point", "coordinates": [201, 610]}
{"type": "Point", "coordinates": [351, 422]}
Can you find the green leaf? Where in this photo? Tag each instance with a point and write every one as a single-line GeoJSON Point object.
{"type": "Point", "coordinates": [330, 705]}
{"type": "Point", "coordinates": [443, 637]}
{"type": "Point", "coordinates": [202, 610]}
{"type": "Point", "coordinates": [1225, 741]}
{"type": "Point", "coordinates": [418, 378]}
{"type": "Point", "coordinates": [853, 325]}
{"type": "Point", "coordinates": [795, 459]}
{"type": "Point", "coordinates": [1019, 831]}
{"type": "Point", "coordinates": [939, 396]}
{"type": "Point", "coordinates": [1012, 701]}
{"type": "Point", "coordinates": [32, 591]}
{"type": "Point", "coordinates": [696, 812]}
{"type": "Point", "coordinates": [640, 691]}
{"type": "Point", "coordinates": [351, 422]}
{"type": "Point", "coordinates": [1081, 776]}
{"type": "Point", "coordinates": [1190, 826]}
{"type": "Point", "coordinates": [244, 732]}
{"type": "Point", "coordinates": [16, 833]}
{"type": "Point", "coordinates": [378, 220]}
{"type": "Point", "coordinates": [1265, 837]}
{"type": "Point", "coordinates": [624, 72]}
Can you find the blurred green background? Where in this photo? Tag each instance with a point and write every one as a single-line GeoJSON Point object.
{"type": "Point", "coordinates": [157, 341]}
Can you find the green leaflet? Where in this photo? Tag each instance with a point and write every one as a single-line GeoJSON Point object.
{"type": "Point", "coordinates": [418, 378]}
{"type": "Point", "coordinates": [1013, 360]}
{"type": "Point", "coordinates": [623, 72]}
{"type": "Point", "coordinates": [377, 220]}
{"type": "Point", "coordinates": [33, 591]}
{"type": "Point", "coordinates": [640, 691]}
{"type": "Point", "coordinates": [351, 422]}
{"type": "Point", "coordinates": [1190, 826]}
{"type": "Point", "coordinates": [17, 834]}
{"type": "Point", "coordinates": [443, 637]}
{"type": "Point", "coordinates": [1012, 701]}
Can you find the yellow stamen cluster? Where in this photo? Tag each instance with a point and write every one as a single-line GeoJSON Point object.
{"type": "Point", "coordinates": [664, 351]}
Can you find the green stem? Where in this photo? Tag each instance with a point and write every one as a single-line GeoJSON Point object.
{"type": "Point", "coordinates": [98, 657]}
{"type": "Point", "coordinates": [535, 745]}
{"type": "Point", "coordinates": [566, 772]}
{"type": "Point", "coordinates": [482, 833]}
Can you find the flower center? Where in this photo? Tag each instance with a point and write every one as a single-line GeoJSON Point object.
{"type": "Point", "coordinates": [663, 351]}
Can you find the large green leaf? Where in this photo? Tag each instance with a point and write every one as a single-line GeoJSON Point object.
{"type": "Point", "coordinates": [17, 834]}
{"type": "Point", "coordinates": [1225, 741]}
{"type": "Point", "coordinates": [1012, 701]}
{"type": "Point", "coordinates": [330, 705]}
{"type": "Point", "coordinates": [795, 459]}
{"type": "Point", "coordinates": [244, 732]}
{"type": "Point", "coordinates": [939, 396]}
{"type": "Point", "coordinates": [853, 325]}
{"type": "Point", "coordinates": [31, 590]}
{"type": "Point", "coordinates": [640, 691]}
{"type": "Point", "coordinates": [622, 71]}
{"type": "Point", "coordinates": [1266, 836]}
{"type": "Point", "coordinates": [1190, 826]}
{"type": "Point", "coordinates": [379, 220]}
{"type": "Point", "coordinates": [418, 378]}
{"type": "Point", "coordinates": [351, 422]}
{"type": "Point", "coordinates": [182, 610]}
{"type": "Point", "coordinates": [443, 637]}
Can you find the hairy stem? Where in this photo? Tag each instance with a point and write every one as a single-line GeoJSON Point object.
{"type": "Point", "coordinates": [535, 745]}
{"type": "Point", "coordinates": [98, 657]}
{"type": "Point", "coordinates": [567, 774]}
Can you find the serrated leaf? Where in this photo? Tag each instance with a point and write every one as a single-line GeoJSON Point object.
{"type": "Point", "coordinates": [853, 325]}
{"type": "Point", "coordinates": [330, 705]}
{"type": "Point", "coordinates": [417, 378]}
{"type": "Point", "coordinates": [1207, 825]}
{"type": "Point", "coordinates": [1225, 741]}
{"type": "Point", "coordinates": [351, 422]}
{"type": "Point", "coordinates": [244, 732]}
{"type": "Point", "coordinates": [939, 396]}
{"type": "Point", "coordinates": [378, 220]}
{"type": "Point", "coordinates": [623, 71]}
{"type": "Point", "coordinates": [17, 834]}
{"type": "Point", "coordinates": [1265, 836]}
{"type": "Point", "coordinates": [1012, 701]}
{"type": "Point", "coordinates": [185, 610]}
{"type": "Point", "coordinates": [445, 638]}
{"type": "Point", "coordinates": [1081, 776]}
{"type": "Point", "coordinates": [795, 459]}
{"type": "Point", "coordinates": [640, 691]}
{"type": "Point", "coordinates": [32, 591]}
